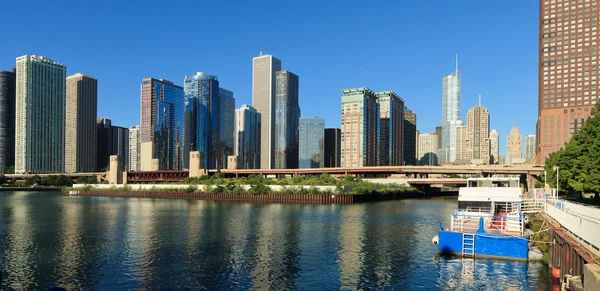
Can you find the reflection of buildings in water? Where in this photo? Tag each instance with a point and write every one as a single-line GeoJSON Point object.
{"type": "Point", "coordinates": [195, 217]}
{"type": "Point", "coordinates": [277, 248]}
{"type": "Point", "coordinates": [141, 239]}
{"type": "Point", "coordinates": [351, 239]}
{"type": "Point", "coordinates": [19, 248]}
{"type": "Point", "coordinates": [71, 255]}
{"type": "Point", "coordinates": [239, 226]}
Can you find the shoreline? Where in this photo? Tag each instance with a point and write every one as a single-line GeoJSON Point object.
{"type": "Point", "coordinates": [29, 189]}
{"type": "Point", "coordinates": [262, 198]}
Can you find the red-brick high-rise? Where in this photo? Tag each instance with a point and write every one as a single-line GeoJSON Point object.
{"type": "Point", "coordinates": [568, 70]}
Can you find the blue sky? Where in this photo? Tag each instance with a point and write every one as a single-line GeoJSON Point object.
{"type": "Point", "coordinates": [404, 46]}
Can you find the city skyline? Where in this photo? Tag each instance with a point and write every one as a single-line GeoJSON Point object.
{"type": "Point", "coordinates": [415, 78]}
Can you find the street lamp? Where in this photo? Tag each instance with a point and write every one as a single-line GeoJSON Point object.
{"type": "Point", "coordinates": [555, 168]}
{"type": "Point", "coordinates": [545, 181]}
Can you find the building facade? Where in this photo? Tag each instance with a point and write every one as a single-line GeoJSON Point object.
{"type": "Point", "coordinates": [568, 75]}
{"type": "Point", "coordinates": [112, 140]}
{"type": "Point", "coordinates": [134, 148]}
{"type": "Point", "coordinates": [438, 132]}
{"type": "Point", "coordinates": [286, 121]}
{"type": "Point", "coordinates": [247, 137]}
{"type": "Point", "coordinates": [80, 124]}
{"type": "Point", "coordinates": [461, 143]}
{"type": "Point", "coordinates": [40, 116]}
{"type": "Point", "coordinates": [311, 145]}
{"type": "Point", "coordinates": [226, 116]}
{"type": "Point", "coordinates": [478, 138]}
{"type": "Point", "coordinates": [514, 146]}
{"type": "Point", "coordinates": [161, 125]}
{"type": "Point", "coordinates": [8, 83]}
{"type": "Point", "coordinates": [494, 147]}
{"type": "Point", "coordinates": [428, 148]}
{"type": "Point", "coordinates": [451, 90]}
{"type": "Point", "coordinates": [360, 128]}
{"type": "Point", "coordinates": [332, 147]}
{"type": "Point", "coordinates": [410, 137]}
{"type": "Point", "coordinates": [264, 68]}
{"type": "Point", "coordinates": [391, 123]}
{"type": "Point", "coordinates": [202, 119]}
{"type": "Point", "coordinates": [530, 147]}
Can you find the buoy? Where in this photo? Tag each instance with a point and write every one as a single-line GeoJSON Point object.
{"type": "Point", "coordinates": [556, 273]}
{"type": "Point", "coordinates": [556, 287]}
{"type": "Point", "coordinates": [435, 240]}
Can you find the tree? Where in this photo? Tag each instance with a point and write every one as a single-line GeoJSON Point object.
{"type": "Point", "coordinates": [579, 160]}
{"type": "Point", "coordinates": [3, 180]}
{"type": "Point", "coordinates": [35, 179]}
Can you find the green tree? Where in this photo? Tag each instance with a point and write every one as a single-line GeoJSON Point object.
{"type": "Point", "coordinates": [35, 179]}
{"type": "Point", "coordinates": [3, 180]}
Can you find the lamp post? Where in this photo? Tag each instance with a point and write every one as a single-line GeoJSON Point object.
{"type": "Point", "coordinates": [556, 169]}
{"type": "Point", "coordinates": [545, 181]}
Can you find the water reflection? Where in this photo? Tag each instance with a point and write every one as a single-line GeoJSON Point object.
{"type": "Point", "coordinates": [113, 243]}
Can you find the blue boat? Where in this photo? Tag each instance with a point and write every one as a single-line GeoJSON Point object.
{"type": "Point", "coordinates": [488, 222]}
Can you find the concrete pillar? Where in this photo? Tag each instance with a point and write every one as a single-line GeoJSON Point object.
{"type": "Point", "coordinates": [197, 164]}
{"type": "Point", "coordinates": [155, 165]}
{"type": "Point", "coordinates": [115, 170]}
{"type": "Point", "coordinates": [232, 163]}
{"type": "Point", "coordinates": [124, 180]}
{"type": "Point", "coordinates": [146, 154]}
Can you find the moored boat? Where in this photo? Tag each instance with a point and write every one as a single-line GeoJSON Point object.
{"type": "Point", "coordinates": [488, 222]}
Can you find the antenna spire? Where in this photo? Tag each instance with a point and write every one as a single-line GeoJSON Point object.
{"type": "Point", "coordinates": [479, 99]}
{"type": "Point", "coordinates": [457, 63]}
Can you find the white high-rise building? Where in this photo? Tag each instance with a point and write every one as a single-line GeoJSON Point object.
{"type": "Point", "coordinates": [247, 137]}
{"type": "Point", "coordinates": [40, 116]}
{"type": "Point", "coordinates": [478, 130]}
{"type": "Point", "coordinates": [530, 147]}
{"type": "Point", "coordinates": [134, 148]}
{"type": "Point", "coordinates": [264, 68]}
{"type": "Point", "coordinates": [451, 88]}
{"type": "Point", "coordinates": [494, 147]}
{"type": "Point", "coordinates": [427, 149]}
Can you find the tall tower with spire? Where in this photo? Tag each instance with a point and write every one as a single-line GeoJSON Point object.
{"type": "Point", "coordinates": [451, 88]}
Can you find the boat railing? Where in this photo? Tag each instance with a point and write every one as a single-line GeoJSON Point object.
{"type": "Point", "coordinates": [511, 224]}
{"type": "Point", "coordinates": [482, 209]}
{"type": "Point", "coordinates": [532, 205]}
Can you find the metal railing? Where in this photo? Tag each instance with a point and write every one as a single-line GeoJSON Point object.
{"type": "Point", "coordinates": [505, 225]}
{"type": "Point", "coordinates": [581, 220]}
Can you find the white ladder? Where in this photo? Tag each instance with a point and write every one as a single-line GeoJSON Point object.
{"type": "Point", "coordinates": [468, 244]}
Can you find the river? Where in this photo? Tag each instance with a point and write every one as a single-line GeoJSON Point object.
{"type": "Point", "coordinates": [115, 243]}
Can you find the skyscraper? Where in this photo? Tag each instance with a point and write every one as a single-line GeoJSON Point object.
{"type": "Point", "coordinates": [360, 128]}
{"type": "Point", "coordinates": [391, 123]}
{"type": "Point", "coordinates": [287, 115]}
{"type": "Point", "coordinates": [7, 119]}
{"type": "Point", "coordinates": [410, 137]}
{"type": "Point", "coordinates": [134, 148]}
{"type": "Point", "coordinates": [530, 147]}
{"type": "Point", "coordinates": [247, 137]}
{"type": "Point", "coordinates": [451, 88]}
{"type": "Point", "coordinates": [312, 138]}
{"type": "Point", "coordinates": [162, 125]}
{"type": "Point", "coordinates": [40, 116]}
{"type": "Point", "coordinates": [112, 140]}
{"type": "Point", "coordinates": [332, 147]}
{"type": "Point", "coordinates": [202, 118]}
{"type": "Point", "coordinates": [80, 124]}
{"type": "Point", "coordinates": [264, 68]}
{"type": "Point", "coordinates": [494, 147]}
{"type": "Point", "coordinates": [514, 146]}
{"type": "Point", "coordinates": [478, 130]}
{"type": "Point", "coordinates": [461, 143]}
{"type": "Point", "coordinates": [438, 132]}
{"type": "Point", "coordinates": [428, 146]}
{"type": "Point", "coordinates": [568, 81]}
{"type": "Point", "coordinates": [227, 114]}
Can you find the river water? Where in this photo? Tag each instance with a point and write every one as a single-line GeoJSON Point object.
{"type": "Point", "coordinates": [114, 243]}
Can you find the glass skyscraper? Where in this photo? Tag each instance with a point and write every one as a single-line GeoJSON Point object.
{"type": "Point", "coordinates": [40, 116]}
{"type": "Point", "coordinates": [311, 145]}
{"type": "Point", "coordinates": [451, 88]}
{"type": "Point", "coordinates": [287, 115]}
{"type": "Point", "coordinates": [202, 107]}
{"type": "Point", "coordinates": [247, 137]}
{"type": "Point", "coordinates": [391, 112]}
{"type": "Point", "coordinates": [7, 119]}
{"type": "Point", "coordinates": [226, 124]}
{"type": "Point", "coordinates": [161, 124]}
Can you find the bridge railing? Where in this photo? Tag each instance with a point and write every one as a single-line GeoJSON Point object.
{"type": "Point", "coordinates": [581, 220]}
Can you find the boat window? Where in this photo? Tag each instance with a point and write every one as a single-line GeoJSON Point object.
{"type": "Point", "coordinates": [500, 184]}
{"type": "Point", "coordinates": [472, 183]}
{"type": "Point", "coordinates": [474, 204]}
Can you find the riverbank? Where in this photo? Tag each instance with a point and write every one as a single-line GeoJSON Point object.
{"type": "Point", "coordinates": [261, 198]}
{"type": "Point", "coordinates": [42, 189]}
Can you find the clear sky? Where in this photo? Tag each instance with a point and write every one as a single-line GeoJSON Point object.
{"type": "Point", "coordinates": [404, 46]}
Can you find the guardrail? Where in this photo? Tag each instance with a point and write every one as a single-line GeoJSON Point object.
{"type": "Point", "coordinates": [505, 225]}
{"type": "Point", "coordinates": [581, 220]}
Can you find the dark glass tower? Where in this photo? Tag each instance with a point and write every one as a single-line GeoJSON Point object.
{"type": "Point", "coordinates": [287, 119]}
{"type": "Point", "coordinates": [7, 119]}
